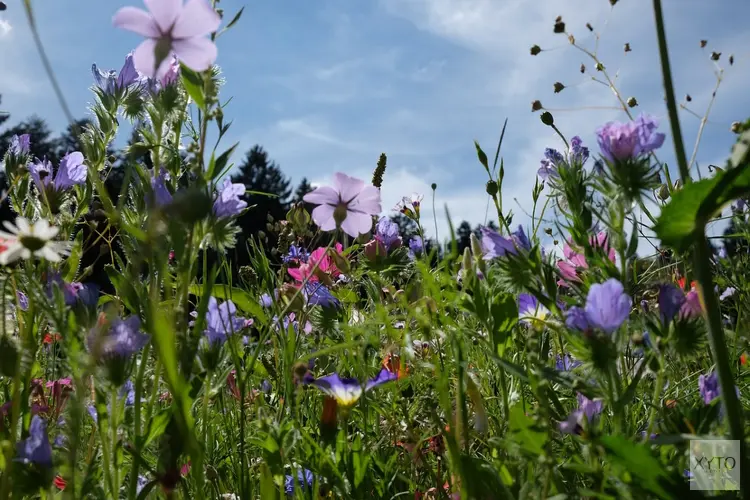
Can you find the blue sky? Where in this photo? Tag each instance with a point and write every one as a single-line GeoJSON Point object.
{"type": "Point", "coordinates": [328, 85]}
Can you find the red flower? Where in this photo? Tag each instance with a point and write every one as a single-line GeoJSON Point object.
{"type": "Point", "coordinates": [743, 359]}
{"type": "Point", "coordinates": [50, 338]}
{"type": "Point", "coordinates": [59, 482]}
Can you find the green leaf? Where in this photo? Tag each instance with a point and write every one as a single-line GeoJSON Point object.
{"type": "Point", "coordinates": [241, 299]}
{"type": "Point", "coordinates": [504, 310]}
{"type": "Point", "coordinates": [638, 461]}
{"type": "Point", "coordinates": [74, 260]}
{"type": "Point", "coordinates": [193, 83]}
{"type": "Point", "coordinates": [482, 157]}
{"type": "Point", "coordinates": [525, 432]}
{"type": "Point", "coordinates": [216, 168]}
{"type": "Point", "coordinates": [692, 207]}
{"type": "Point", "coordinates": [629, 394]}
{"type": "Point", "coordinates": [235, 19]}
{"type": "Point", "coordinates": [156, 426]}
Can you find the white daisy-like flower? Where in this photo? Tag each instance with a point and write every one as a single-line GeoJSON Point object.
{"type": "Point", "coordinates": [26, 240]}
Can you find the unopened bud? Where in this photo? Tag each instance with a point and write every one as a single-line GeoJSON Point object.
{"type": "Point", "coordinates": [715, 56]}
{"type": "Point", "coordinates": [547, 118]}
{"type": "Point", "coordinates": [704, 43]}
{"type": "Point", "coordinates": [535, 50]}
{"type": "Point", "coordinates": [559, 25]}
{"type": "Point", "coordinates": [536, 105]}
{"type": "Point", "coordinates": [555, 242]}
{"type": "Point", "coordinates": [558, 87]}
{"type": "Point", "coordinates": [491, 188]}
{"type": "Point", "coordinates": [613, 2]}
{"type": "Point", "coordinates": [736, 127]}
{"type": "Point", "coordinates": [632, 102]}
{"type": "Point", "coordinates": [677, 185]}
{"type": "Point", "coordinates": [590, 28]}
{"type": "Point", "coordinates": [627, 47]}
{"type": "Point", "coordinates": [599, 67]}
{"type": "Point", "coordinates": [548, 230]}
{"type": "Point", "coordinates": [688, 98]}
{"type": "Point", "coordinates": [663, 192]}
{"type": "Point", "coordinates": [476, 245]}
{"type": "Point", "coordinates": [583, 68]}
{"type": "Point", "coordinates": [466, 264]}
{"type": "Point", "coordinates": [731, 59]}
{"type": "Point", "coordinates": [433, 186]}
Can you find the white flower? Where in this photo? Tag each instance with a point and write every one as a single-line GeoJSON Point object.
{"type": "Point", "coordinates": [27, 239]}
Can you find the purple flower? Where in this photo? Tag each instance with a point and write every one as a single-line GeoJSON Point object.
{"type": "Point", "coordinates": [494, 245]}
{"type": "Point", "coordinates": [71, 172]}
{"type": "Point", "coordinates": [222, 321]}
{"type": "Point", "coordinates": [565, 363]}
{"type": "Point", "coordinates": [546, 169]}
{"type": "Point", "coordinates": [387, 233]}
{"type": "Point", "coordinates": [670, 300]}
{"type": "Point", "coordinates": [587, 408]}
{"type": "Point", "coordinates": [529, 309]}
{"type": "Point", "coordinates": [520, 239]}
{"type": "Point", "coordinates": [349, 204]}
{"type": "Point", "coordinates": [35, 449]}
{"type": "Point", "coordinates": [91, 409]}
{"type": "Point", "coordinates": [692, 307]}
{"type": "Point", "coordinates": [607, 305]}
{"type": "Point", "coordinates": [708, 385]}
{"type": "Point", "coordinates": [140, 484]}
{"type": "Point", "coordinates": [347, 391]}
{"type": "Point", "coordinates": [228, 202]}
{"type": "Point", "coordinates": [74, 292]}
{"type": "Point", "coordinates": [305, 479]}
{"type": "Point", "coordinates": [266, 300]}
{"type": "Point", "coordinates": [110, 81]}
{"type": "Point", "coordinates": [23, 300]}
{"type": "Point", "coordinates": [624, 141]}
{"type": "Point", "coordinates": [416, 245]}
{"type": "Point", "coordinates": [123, 340]}
{"type": "Point", "coordinates": [162, 196]}
{"type": "Point", "coordinates": [296, 253]}
{"type": "Point", "coordinates": [578, 152]}
{"type": "Point", "coordinates": [727, 293]}
{"type": "Point", "coordinates": [723, 253]}
{"type": "Point", "coordinates": [20, 145]}
{"type": "Point", "coordinates": [318, 295]}
{"type": "Point", "coordinates": [127, 391]}
{"type": "Point", "coordinates": [171, 28]}
{"type": "Point", "coordinates": [591, 408]}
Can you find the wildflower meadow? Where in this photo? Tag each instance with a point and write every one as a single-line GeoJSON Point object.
{"type": "Point", "coordinates": [150, 349]}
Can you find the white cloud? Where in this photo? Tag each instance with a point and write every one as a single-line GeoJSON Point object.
{"type": "Point", "coordinates": [5, 28]}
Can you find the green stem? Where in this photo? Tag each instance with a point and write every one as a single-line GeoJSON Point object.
{"type": "Point", "coordinates": [655, 402]}
{"type": "Point", "coordinates": [206, 398]}
{"type": "Point", "coordinates": [702, 264]}
{"type": "Point", "coordinates": [133, 485]}
{"type": "Point", "coordinates": [115, 402]}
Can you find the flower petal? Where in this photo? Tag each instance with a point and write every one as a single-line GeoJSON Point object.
{"type": "Point", "coordinates": [196, 19]}
{"type": "Point", "coordinates": [356, 223]}
{"type": "Point", "coordinates": [323, 217]}
{"type": "Point", "coordinates": [144, 58]}
{"type": "Point", "coordinates": [164, 12]}
{"type": "Point", "coordinates": [368, 201]}
{"type": "Point", "coordinates": [136, 20]}
{"type": "Point", "coordinates": [321, 195]}
{"type": "Point", "coordinates": [197, 53]}
{"type": "Point", "coordinates": [348, 187]}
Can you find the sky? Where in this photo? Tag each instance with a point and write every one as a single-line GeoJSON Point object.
{"type": "Point", "coordinates": [327, 85]}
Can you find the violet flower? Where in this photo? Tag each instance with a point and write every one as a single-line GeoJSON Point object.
{"type": "Point", "coordinates": [578, 152]}
{"type": "Point", "coordinates": [297, 254]}
{"type": "Point", "coordinates": [222, 321]}
{"type": "Point", "coordinates": [162, 196]}
{"type": "Point", "coordinates": [589, 409]}
{"type": "Point", "coordinates": [607, 305]}
{"type": "Point", "coordinates": [171, 29]}
{"type": "Point", "coordinates": [727, 293]}
{"type": "Point", "coordinates": [692, 307]}
{"type": "Point", "coordinates": [708, 386]}
{"type": "Point", "coordinates": [35, 449]}
{"type": "Point", "coordinates": [123, 340]}
{"type": "Point", "coordinates": [566, 363]}
{"type": "Point", "coordinates": [318, 295]}
{"type": "Point", "coordinates": [530, 310]}
{"type": "Point", "coordinates": [349, 204]}
{"type": "Point", "coordinates": [387, 233]}
{"type": "Point", "coordinates": [416, 245]}
{"type": "Point", "coordinates": [305, 479]}
{"type": "Point", "coordinates": [347, 391]}
{"type": "Point", "coordinates": [110, 82]}
{"type": "Point", "coordinates": [20, 145]}
{"type": "Point", "coordinates": [266, 300]}
{"type": "Point", "coordinates": [631, 140]}
{"type": "Point", "coordinates": [228, 202]}
{"type": "Point", "coordinates": [71, 172]}
{"type": "Point", "coordinates": [552, 158]}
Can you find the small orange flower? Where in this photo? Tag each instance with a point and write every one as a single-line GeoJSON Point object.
{"type": "Point", "coordinates": [743, 359]}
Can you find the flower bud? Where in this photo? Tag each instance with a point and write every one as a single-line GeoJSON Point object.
{"type": "Point", "coordinates": [433, 186]}
{"type": "Point", "coordinates": [476, 245]}
{"type": "Point", "coordinates": [559, 25]}
{"type": "Point", "coordinates": [535, 50]}
{"type": "Point", "coordinates": [632, 102]}
{"type": "Point", "coordinates": [677, 185]}
{"type": "Point", "coordinates": [704, 43]}
{"type": "Point", "coordinates": [536, 105]}
{"type": "Point", "coordinates": [374, 249]}
{"type": "Point", "coordinates": [466, 264]}
{"type": "Point", "coordinates": [547, 118]}
{"type": "Point", "coordinates": [736, 127]}
{"type": "Point", "coordinates": [663, 192]}
{"type": "Point", "coordinates": [715, 56]}
{"type": "Point", "coordinates": [491, 188]}
{"type": "Point", "coordinates": [558, 87]}
{"type": "Point", "coordinates": [548, 230]}
{"type": "Point", "coordinates": [583, 68]}
{"type": "Point", "coordinates": [627, 47]}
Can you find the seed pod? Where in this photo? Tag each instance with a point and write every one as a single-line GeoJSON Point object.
{"type": "Point", "coordinates": [558, 87]}
{"type": "Point", "coordinates": [627, 47]}
{"type": "Point", "coordinates": [632, 102]}
{"type": "Point", "coordinates": [547, 118]}
{"type": "Point", "coordinates": [536, 105]}
{"type": "Point", "coordinates": [535, 50]}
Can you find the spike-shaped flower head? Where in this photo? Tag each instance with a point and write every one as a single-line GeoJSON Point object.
{"type": "Point", "coordinates": [549, 164]}
{"type": "Point", "coordinates": [578, 153]}
{"type": "Point", "coordinates": [347, 391]}
{"type": "Point", "coordinates": [20, 145]}
{"type": "Point", "coordinates": [416, 245]}
{"type": "Point", "coordinates": [349, 204]}
{"type": "Point", "coordinates": [228, 202]}
{"type": "Point", "coordinates": [17, 154]}
{"type": "Point", "coordinates": [35, 449]}
{"type": "Point", "coordinates": [171, 29]}
{"type": "Point", "coordinates": [607, 306]}
{"type": "Point", "coordinates": [110, 82]}
{"type": "Point", "coordinates": [630, 140]}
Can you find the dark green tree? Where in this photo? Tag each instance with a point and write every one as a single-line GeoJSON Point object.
{"type": "Point", "coordinates": [463, 236]}
{"type": "Point", "coordinates": [4, 115]}
{"type": "Point", "coordinates": [43, 144]}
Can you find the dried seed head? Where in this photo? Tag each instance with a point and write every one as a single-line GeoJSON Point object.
{"type": "Point", "coordinates": [731, 59]}
{"type": "Point", "coordinates": [704, 43]}
{"type": "Point", "coordinates": [433, 186]}
{"type": "Point", "coordinates": [688, 98]}
{"type": "Point", "coordinates": [627, 47]}
{"type": "Point", "coordinates": [572, 39]}
{"type": "Point", "coordinates": [612, 2]}
{"type": "Point", "coordinates": [558, 87]}
{"type": "Point", "coordinates": [559, 25]}
{"type": "Point", "coordinates": [591, 28]}
{"type": "Point", "coordinates": [555, 242]}
{"type": "Point", "coordinates": [632, 102]}
{"type": "Point", "coordinates": [599, 67]}
{"type": "Point", "coordinates": [536, 105]}
{"type": "Point", "coordinates": [547, 118]}
{"type": "Point", "coordinates": [548, 230]}
{"type": "Point", "coordinates": [736, 126]}
{"type": "Point", "coordinates": [583, 68]}
{"type": "Point", "coordinates": [535, 50]}
{"type": "Point", "coordinates": [715, 56]}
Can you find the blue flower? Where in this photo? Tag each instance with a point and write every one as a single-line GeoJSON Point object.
{"type": "Point", "coordinates": [318, 295]}
{"type": "Point", "coordinates": [607, 305]}
{"type": "Point", "coordinates": [35, 448]}
{"type": "Point", "coordinates": [578, 152]}
{"type": "Point", "coordinates": [228, 202]}
{"type": "Point", "coordinates": [575, 318]}
{"type": "Point", "coordinates": [347, 391]}
{"type": "Point", "coordinates": [670, 300]}
{"type": "Point", "coordinates": [23, 300]}
{"type": "Point", "coordinates": [159, 179]}
{"type": "Point", "coordinates": [708, 386]}
{"type": "Point", "coordinates": [416, 245]}
{"type": "Point", "coordinates": [266, 300]}
{"type": "Point", "coordinates": [565, 363]}
{"type": "Point", "coordinates": [296, 254]}
{"type": "Point", "coordinates": [110, 81]}
{"type": "Point", "coordinates": [222, 321]}
{"type": "Point", "coordinates": [123, 340]}
{"type": "Point", "coordinates": [71, 172]}
{"type": "Point", "coordinates": [387, 233]}
{"type": "Point", "coordinates": [529, 309]}
{"type": "Point", "coordinates": [128, 392]}
{"type": "Point", "coordinates": [305, 479]}
{"type": "Point", "coordinates": [631, 140]}
{"type": "Point", "coordinates": [20, 145]}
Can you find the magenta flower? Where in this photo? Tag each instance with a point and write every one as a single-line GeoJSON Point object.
{"type": "Point", "coordinates": [624, 141]}
{"type": "Point", "coordinates": [171, 28]}
{"type": "Point", "coordinates": [575, 262]}
{"type": "Point", "coordinates": [349, 204]}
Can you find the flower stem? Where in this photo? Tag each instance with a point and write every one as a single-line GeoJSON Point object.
{"type": "Point", "coordinates": [702, 263]}
{"type": "Point", "coordinates": [655, 402]}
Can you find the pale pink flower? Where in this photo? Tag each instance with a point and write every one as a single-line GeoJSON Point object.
{"type": "Point", "coordinates": [349, 204]}
{"type": "Point", "coordinates": [171, 28]}
{"type": "Point", "coordinates": [574, 261]}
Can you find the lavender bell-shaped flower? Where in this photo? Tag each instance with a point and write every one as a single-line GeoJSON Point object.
{"type": "Point", "coordinates": [35, 449]}
{"type": "Point", "coordinates": [228, 202]}
{"type": "Point", "coordinates": [607, 306]}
